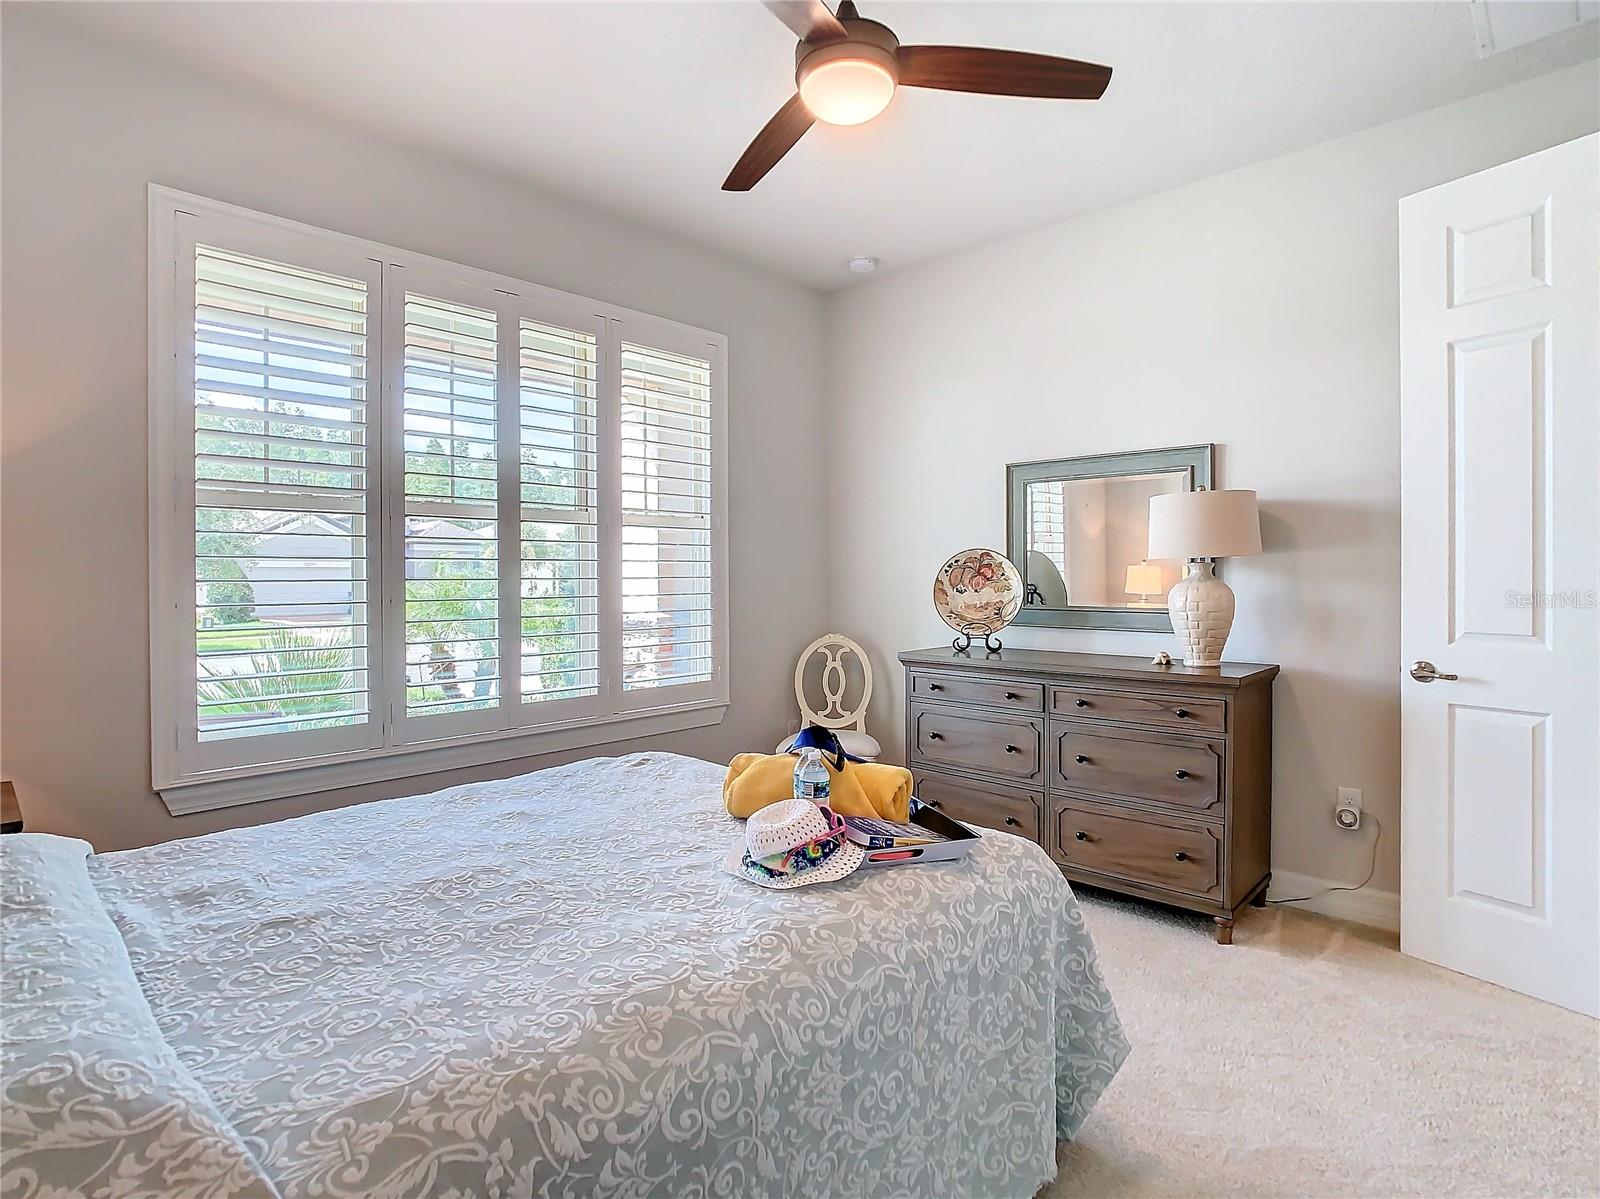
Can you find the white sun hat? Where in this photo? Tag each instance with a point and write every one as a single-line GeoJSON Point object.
{"type": "Point", "coordinates": [791, 844]}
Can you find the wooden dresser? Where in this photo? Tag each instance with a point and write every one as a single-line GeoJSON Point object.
{"type": "Point", "coordinates": [1155, 781]}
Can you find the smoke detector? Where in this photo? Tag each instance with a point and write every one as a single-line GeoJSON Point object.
{"type": "Point", "coordinates": [862, 264]}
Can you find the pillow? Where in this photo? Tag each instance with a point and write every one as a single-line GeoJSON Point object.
{"type": "Point", "coordinates": [93, 1101]}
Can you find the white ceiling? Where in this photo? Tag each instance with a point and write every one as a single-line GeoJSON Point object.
{"type": "Point", "coordinates": [641, 108]}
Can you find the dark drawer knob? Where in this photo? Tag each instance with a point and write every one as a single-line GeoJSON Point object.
{"type": "Point", "coordinates": [1082, 760]}
{"type": "Point", "coordinates": [935, 687]}
{"type": "Point", "coordinates": [1082, 836]}
{"type": "Point", "coordinates": [1181, 856]}
{"type": "Point", "coordinates": [935, 736]}
{"type": "Point", "coordinates": [1012, 695]}
{"type": "Point", "coordinates": [934, 803]}
{"type": "Point", "coordinates": [1183, 713]}
{"type": "Point", "coordinates": [1013, 821]}
{"type": "Point", "coordinates": [1177, 774]}
{"type": "Point", "coordinates": [1083, 703]}
{"type": "Point", "coordinates": [1012, 749]}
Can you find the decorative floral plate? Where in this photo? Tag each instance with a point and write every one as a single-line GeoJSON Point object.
{"type": "Point", "coordinates": [978, 592]}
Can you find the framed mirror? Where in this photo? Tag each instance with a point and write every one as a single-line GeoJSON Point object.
{"type": "Point", "coordinates": [1077, 529]}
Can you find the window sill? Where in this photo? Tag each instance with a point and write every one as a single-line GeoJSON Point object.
{"type": "Point", "coordinates": [233, 790]}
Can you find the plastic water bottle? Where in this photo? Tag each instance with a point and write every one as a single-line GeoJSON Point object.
{"type": "Point", "coordinates": [811, 777]}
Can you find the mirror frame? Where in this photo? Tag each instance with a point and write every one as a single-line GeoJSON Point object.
{"type": "Point", "coordinates": [1199, 461]}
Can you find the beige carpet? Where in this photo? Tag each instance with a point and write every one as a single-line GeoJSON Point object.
{"type": "Point", "coordinates": [1311, 1059]}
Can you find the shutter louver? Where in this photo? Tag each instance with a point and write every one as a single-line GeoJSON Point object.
{"type": "Point", "coordinates": [280, 491]}
{"type": "Point", "coordinates": [560, 641]}
{"type": "Point", "coordinates": [667, 582]}
{"type": "Point", "coordinates": [451, 534]}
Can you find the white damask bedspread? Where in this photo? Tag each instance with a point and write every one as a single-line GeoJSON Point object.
{"type": "Point", "coordinates": [547, 986]}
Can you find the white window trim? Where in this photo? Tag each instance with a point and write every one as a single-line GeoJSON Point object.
{"type": "Point", "coordinates": [185, 789]}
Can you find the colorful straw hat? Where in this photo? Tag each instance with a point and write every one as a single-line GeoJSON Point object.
{"type": "Point", "coordinates": [791, 844]}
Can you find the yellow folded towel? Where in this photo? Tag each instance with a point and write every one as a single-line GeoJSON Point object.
{"type": "Point", "coordinates": [860, 789]}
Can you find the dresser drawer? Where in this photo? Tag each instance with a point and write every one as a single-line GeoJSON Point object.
{"type": "Point", "coordinates": [1007, 746]}
{"type": "Point", "coordinates": [1176, 857]}
{"type": "Point", "coordinates": [1185, 774]}
{"type": "Point", "coordinates": [953, 689]}
{"type": "Point", "coordinates": [992, 807]}
{"type": "Point", "coordinates": [1160, 711]}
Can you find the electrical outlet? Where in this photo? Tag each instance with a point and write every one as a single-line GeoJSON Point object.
{"type": "Point", "coordinates": [1347, 811]}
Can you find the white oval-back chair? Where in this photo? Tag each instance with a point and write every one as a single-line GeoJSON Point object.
{"type": "Point", "coordinates": [849, 723]}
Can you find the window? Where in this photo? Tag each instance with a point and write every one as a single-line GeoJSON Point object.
{"type": "Point", "coordinates": [559, 531]}
{"type": "Point", "coordinates": [1047, 526]}
{"type": "Point", "coordinates": [666, 519]}
{"type": "Point", "coordinates": [406, 515]}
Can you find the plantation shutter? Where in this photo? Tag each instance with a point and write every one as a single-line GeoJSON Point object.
{"type": "Point", "coordinates": [450, 508]}
{"type": "Point", "coordinates": [559, 513]}
{"type": "Point", "coordinates": [281, 491]}
{"type": "Point", "coordinates": [403, 507]}
{"type": "Point", "coordinates": [668, 581]}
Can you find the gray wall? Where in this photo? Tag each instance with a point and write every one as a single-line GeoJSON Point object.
{"type": "Point", "coordinates": [1258, 310]}
{"type": "Point", "coordinates": [86, 126]}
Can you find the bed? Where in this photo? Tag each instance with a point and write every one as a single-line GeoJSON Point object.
{"type": "Point", "coordinates": [544, 985]}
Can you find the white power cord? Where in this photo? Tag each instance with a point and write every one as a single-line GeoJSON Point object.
{"type": "Point", "coordinates": [1371, 870]}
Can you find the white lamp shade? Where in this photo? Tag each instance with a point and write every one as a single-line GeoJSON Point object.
{"type": "Point", "coordinates": [1144, 578]}
{"type": "Point", "coordinates": [1204, 524]}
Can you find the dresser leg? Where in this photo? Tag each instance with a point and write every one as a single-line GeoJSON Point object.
{"type": "Point", "coordinates": [1259, 899]}
{"type": "Point", "coordinates": [1224, 929]}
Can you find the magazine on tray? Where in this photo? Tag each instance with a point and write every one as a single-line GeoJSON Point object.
{"type": "Point", "coordinates": [937, 838]}
{"type": "Point", "coordinates": [871, 833]}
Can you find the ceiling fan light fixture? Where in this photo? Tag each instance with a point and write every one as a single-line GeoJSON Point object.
{"type": "Point", "coordinates": [847, 91]}
{"type": "Point", "coordinates": [847, 69]}
{"type": "Point", "coordinates": [846, 83]}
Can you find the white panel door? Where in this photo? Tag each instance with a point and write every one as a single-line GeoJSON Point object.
{"type": "Point", "coordinates": [1500, 566]}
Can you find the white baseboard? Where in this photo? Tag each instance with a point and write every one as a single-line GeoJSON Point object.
{"type": "Point", "coordinates": [1380, 909]}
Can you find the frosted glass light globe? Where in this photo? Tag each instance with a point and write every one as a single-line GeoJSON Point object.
{"type": "Point", "coordinates": [846, 91]}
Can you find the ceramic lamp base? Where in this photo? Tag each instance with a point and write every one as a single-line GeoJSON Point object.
{"type": "Point", "coordinates": [1202, 615]}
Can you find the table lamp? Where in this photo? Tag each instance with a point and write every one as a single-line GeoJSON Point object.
{"type": "Point", "coordinates": [1144, 580]}
{"type": "Point", "coordinates": [1199, 525]}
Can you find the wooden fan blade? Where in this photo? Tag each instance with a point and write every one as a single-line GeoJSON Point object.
{"type": "Point", "coordinates": [810, 20]}
{"type": "Point", "coordinates": [777, 138]}
{"type": "Point", "coordinates": [1001, 72]}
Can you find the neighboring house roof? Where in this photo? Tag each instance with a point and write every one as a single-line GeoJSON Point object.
{"type": "Point", "coordinates": [289, 524]}
{"type": "Point", "coordinates": [299, 522]}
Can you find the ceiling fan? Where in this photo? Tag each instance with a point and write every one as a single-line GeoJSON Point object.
{"type": "Point", "coordinates": [847, 68]}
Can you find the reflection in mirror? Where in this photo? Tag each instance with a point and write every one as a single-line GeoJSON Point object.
{"type": "Point", "coordinates": [1078, 529]}
{"type": "Point", "coordinates": [1086, 541]}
